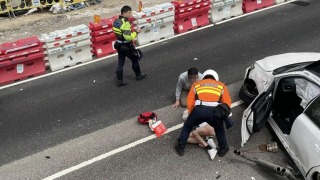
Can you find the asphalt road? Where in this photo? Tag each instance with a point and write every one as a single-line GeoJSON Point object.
{"type": "Point", "coordinates": [60, 115]}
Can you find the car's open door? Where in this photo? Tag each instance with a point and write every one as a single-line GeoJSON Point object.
{"type": "Point", "coordinates": [256, 115]}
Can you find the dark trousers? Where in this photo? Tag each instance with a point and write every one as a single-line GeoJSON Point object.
{"type": "Point", "coordinates": [199, 115]}
{"type": "Point", "coordinates": [127, 50]}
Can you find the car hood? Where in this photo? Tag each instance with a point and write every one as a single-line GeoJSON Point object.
{"type": "Point", "coordinates": [273, 62]}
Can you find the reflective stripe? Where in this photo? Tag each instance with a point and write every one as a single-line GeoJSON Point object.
{"type": "Point", "coordinates": [208, 91]}
{"type": "Point", "coordinates": [123, 41]}
{"type": "Point", "coordinates": [209, 88]}
{"type": "Point", "coordinates": [116, 30]}
{"type": "Point", "coordinates": [118, 33]}
{"type": "Point", "coordinates": [205, 103]}
{"type": "Point", "coordinates": [209, 85]}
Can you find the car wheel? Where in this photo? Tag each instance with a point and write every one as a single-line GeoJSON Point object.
{"type": "Point", "coordinates": [316, 176]}
{"type": "Point", "coordinates": [248, 92]}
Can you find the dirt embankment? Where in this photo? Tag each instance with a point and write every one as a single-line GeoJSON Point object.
{"type": "Point", "coordinates": [41, 22]}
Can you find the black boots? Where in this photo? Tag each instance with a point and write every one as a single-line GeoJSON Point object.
{"type": "Point", "coordinates": [179, 148]}
{"type": "Point", "coordinates": [223, 151]}
{"type": "Point", "coordinates": [140, 76]}
{"type": "Point", "coordinates": [121, 83]}
{"type": "Point", "coordinates": [120, 79]}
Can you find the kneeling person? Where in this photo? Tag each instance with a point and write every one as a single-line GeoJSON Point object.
{"type": "Point", "coordinates": [185, 81]}
{"type": "Point", "coordinates": [208, 101]}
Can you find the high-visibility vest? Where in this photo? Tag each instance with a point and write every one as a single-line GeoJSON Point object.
{"type": "Point", "coordinates": [209, 91]}
{"type": "Point", "coordinates": [122, 29]}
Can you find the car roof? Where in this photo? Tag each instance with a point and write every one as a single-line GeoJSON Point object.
{"type": "Point", "coordinates": [271, 63]}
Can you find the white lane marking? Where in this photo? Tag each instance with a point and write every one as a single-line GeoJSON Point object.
{"type": "Point", "coordinates": [175, 36]}
{"type": "Point", "coordinates": [118, 150]}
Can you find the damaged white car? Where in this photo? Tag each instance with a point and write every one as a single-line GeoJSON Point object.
{"type": "Point", "coordinates": [284, 90]}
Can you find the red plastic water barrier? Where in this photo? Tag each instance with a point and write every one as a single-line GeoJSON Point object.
{"type": "Point", "coordinates": [21, 59]}
{"type": "Point", "coordinates": [102, 37]}
{"type": "Point", "coordinates": [252, 5]}
{"type": "Point", "coordinates": [190, 15]}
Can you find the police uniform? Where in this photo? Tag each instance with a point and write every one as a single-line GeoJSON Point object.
{"type": "Point", "coordinates": [124, 46]}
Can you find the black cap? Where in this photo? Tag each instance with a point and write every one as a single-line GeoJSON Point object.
{"type": "Point", "coordinates": [193, 71]}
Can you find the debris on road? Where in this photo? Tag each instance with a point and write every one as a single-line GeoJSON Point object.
{"type": "Point", "coordinates": [268, 166]}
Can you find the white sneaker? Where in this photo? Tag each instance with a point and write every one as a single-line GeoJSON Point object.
{"type": "Point", "coordinates": [212, 153]}
{"type": "Point", "coordinates": [185, 115]}
{"type": "Point", "coordinates": [211, 143]}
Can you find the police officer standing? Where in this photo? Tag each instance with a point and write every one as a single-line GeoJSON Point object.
{"type": "Point", "coordinates": [208, 101]}
{"type": "Point", "coordinates": [124, 46]}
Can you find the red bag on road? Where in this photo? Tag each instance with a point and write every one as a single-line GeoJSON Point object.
{"type": "Point", "coordinates": [144, 117]}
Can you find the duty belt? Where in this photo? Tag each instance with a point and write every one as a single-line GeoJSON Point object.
{"type": "Point", "coordinates": [123, 41]}
{"type": "Point", "coordinates": [206, 103]}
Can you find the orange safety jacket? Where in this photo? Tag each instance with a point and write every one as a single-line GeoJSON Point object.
{"type": "Point", "coordinates": [208, 91]}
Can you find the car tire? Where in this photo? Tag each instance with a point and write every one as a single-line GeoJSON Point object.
{"type": "Point", "coordinates": [247, 93]}
{"type": "Point", "coordinates": [316, 176]}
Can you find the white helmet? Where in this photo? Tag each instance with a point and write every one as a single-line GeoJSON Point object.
{"type": "Point", "coordinates": [212, 73]}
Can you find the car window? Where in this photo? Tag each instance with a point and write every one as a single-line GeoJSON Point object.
{"type": "Point", "coordinates": [292, 97]}
{"type": "Point", "coordinates": [313, 111]}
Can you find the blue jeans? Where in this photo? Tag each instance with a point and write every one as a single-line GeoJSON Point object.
{"type": "Point", "coordinates": [199, 115]}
